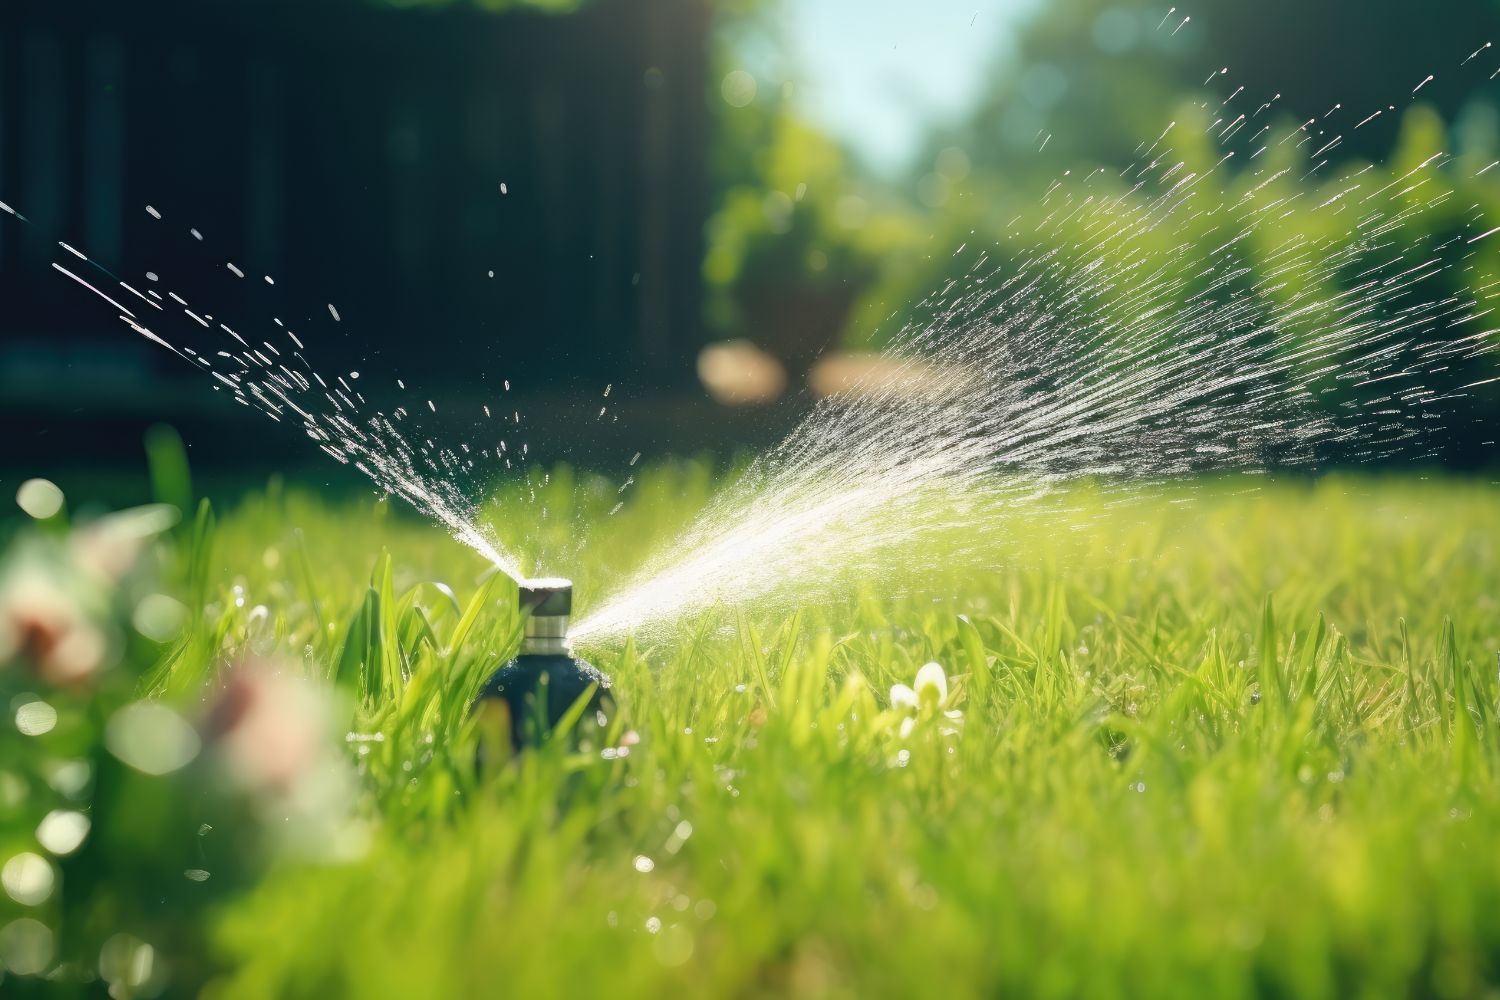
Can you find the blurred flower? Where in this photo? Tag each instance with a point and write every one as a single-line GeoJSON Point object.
{"type": "Point", "coordinates": [269, 728]}
{"type": "Point", "coordinates": [60, 597]}
{"type": "Point", "coordinates": [45, 627]}
{"type": "Point", "coordinates": [931, 685]}
{"type": "Point", "coordinates": [269, 734]}
{"type": "Point", "coordinates": [109, 547]}
{"type": "Point", "coordinates": [926, 697]}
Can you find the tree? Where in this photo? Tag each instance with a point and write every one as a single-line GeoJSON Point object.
{"type": "Point", "coordinates": [1098, 76]}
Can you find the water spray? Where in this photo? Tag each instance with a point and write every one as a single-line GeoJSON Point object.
{"type": "Point", "coordinates": [545, 668]}
{"type": "Point", "coordinates": [1203, 310]}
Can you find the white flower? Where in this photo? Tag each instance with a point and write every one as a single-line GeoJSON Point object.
{"type": "Point", "coordinates": [932, 685]}
{"type": "Point", "coordinates": [926, 697]}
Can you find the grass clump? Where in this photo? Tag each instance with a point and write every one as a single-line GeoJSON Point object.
{"type": "Point", "coordinates": [1241, 746]}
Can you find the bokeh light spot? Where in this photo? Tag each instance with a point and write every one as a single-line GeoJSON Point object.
{"type": "Point", "coordinates": [35, 717]}
{"type": "Point", "coordinates": [151, 738]}
{"type": "Point", "coordinates": [28, 878]}
{"type": "Point", "coordinates": [62, 831]}
{"type": "Point", "coordinates": [40, 498]}
{"type": "Point", "coordinates": [738, 88]}
{"type": "Point", "coordinates": [26, 947]}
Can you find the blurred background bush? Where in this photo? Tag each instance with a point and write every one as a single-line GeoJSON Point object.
{"type": "Point", "coordinates": [700, 203]}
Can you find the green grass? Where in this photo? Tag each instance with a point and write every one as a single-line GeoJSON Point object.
{"type": "Point", "coordinates": [1242, 746]}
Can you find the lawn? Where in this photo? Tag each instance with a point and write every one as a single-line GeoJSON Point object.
{"type": "Point", "coordinates": [1236, 738]}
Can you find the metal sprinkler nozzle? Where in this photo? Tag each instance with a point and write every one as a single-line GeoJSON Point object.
{"type": "Point", "coordinates": [544, 667]}
{"type": "Point", "coordinates": [547, 604]}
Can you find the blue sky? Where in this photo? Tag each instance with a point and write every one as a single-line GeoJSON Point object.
{"type": "Point", "coordinates": [878, 73]}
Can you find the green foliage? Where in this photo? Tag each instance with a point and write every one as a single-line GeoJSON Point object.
{"type": "Point", "coordinates": [1211, 742]}
{"type": "Point", "coordinates": [1100, 75]}
{"type": "Point", "coordinates": [797, 217]}
{"type": "Point", "coordinates": [993, 219]}
{"type": "Point", "coordinates": [794, 219]}
{"type": "Point", "coordinates": [802, 223]}
{"type": "Point", "coordinates": [1159, 784]}
{"type": "Point", "coordinates": [171, 481]}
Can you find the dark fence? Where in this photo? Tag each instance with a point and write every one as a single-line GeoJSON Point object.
{"type": "Point", "coordinates": [356, 153]}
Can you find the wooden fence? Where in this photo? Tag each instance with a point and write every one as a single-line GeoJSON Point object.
{"type": "Point", "coordinates": [356, 152]}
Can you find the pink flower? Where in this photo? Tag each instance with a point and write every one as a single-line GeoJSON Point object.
{"type": "Point", "coordinates": [270, 728]}
{"type": "Point", "coordinates": [41, 626]}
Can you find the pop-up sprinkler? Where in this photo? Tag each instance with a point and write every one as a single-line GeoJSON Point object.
{"type": "Point", "coordinates": [545, 667]}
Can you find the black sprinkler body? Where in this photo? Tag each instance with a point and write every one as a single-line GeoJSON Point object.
{"type": "Point", "coordinates": [545, 656]}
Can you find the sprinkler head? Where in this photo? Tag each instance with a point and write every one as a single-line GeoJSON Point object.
{"type": "Point", "coordinates": [545, 679]}
{"type": "Point", "coordinates": [546, 597]}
